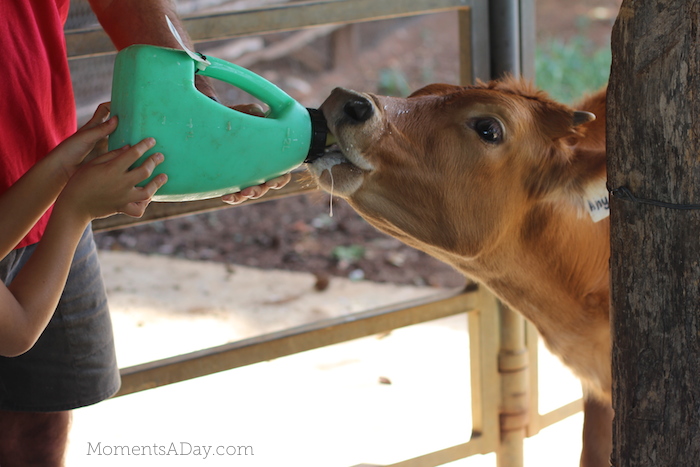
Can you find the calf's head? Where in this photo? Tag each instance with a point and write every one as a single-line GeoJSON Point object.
{"type": "Point", "coordinates": [452, 168]}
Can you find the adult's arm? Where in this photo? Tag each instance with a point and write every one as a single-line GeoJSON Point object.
{"type": "Point", "coordinates": [129, 22]}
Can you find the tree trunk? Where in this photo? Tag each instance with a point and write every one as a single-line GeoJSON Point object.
{"type": "Point", "coordinates": [653, 129]}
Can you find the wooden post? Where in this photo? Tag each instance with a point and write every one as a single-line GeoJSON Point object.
{"type": "Point", "coordinates": [515, 391]}
{"type": "Point", "coordinates": [653, 151]}
{"type": "Point", "coordinates": [346, 45]}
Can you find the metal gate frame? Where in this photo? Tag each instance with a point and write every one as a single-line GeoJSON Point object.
{"type": "Point", "coordinates": [496, 37]}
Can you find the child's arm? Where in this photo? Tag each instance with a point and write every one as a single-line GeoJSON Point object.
{"type": "Point", "coordinates": [100, 188]}
{"type": "Point", "coordinates": [29, 198]}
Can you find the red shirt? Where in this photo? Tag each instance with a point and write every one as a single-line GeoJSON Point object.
{"type": "Point", "coordinates": [37, 109]}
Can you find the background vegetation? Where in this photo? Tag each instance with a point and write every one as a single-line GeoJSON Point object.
{"type": "Point", "coordinates": [568, 70]}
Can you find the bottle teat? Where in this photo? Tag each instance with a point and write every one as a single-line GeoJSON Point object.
{"type": "Point", "coordinates": [319, 131]}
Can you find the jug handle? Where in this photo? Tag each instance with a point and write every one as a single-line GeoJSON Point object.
{"type": "Point", "coordinates": [253, 84]}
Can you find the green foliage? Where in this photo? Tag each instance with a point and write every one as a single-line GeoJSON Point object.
{"type": "Point", "coordinates": [348, 253]}
{"type": "Point", "coordinates": [393, 82]}
{"type": "Point", "coordinates": [569, 70]}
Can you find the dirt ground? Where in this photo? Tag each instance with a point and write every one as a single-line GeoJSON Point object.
{"type": "Point", "coordinates": [376, 400]}
{"type": "Point", "coordinates": [299, 233]}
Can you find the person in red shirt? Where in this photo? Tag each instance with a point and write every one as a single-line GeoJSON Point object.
{"type": "Point", "coordinates": [73, 363]}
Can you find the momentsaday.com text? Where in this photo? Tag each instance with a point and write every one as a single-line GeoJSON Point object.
{"type": "Point", "coordinates": [181, 448]}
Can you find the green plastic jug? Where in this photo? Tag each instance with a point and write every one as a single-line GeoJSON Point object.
{"type": "Point", "coordinates": [210, 150]}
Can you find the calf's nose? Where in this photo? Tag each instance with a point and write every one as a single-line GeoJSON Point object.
{"type": "Point", "coordinates": [358, 108]}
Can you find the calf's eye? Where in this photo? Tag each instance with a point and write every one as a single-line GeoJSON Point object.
{"type": "Point", "coordinates": [489, 129]}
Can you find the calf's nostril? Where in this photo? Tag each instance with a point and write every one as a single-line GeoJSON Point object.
{"type": "Point", "coordinates": [359, 109]}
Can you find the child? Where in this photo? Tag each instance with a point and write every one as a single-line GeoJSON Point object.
{"type": "Point", "coordinates": [82, 191]}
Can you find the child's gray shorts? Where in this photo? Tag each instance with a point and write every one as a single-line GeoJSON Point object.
{"type": "Point", "coordinates": [73, 364]}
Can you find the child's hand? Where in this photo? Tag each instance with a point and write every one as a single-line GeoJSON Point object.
{"type": "Point", "coordinates": [71, 152]}
{"type": "Point", "coordinates": [106, 186]}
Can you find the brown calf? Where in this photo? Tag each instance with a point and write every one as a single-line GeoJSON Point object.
{"type": "Point", "coordinates": [498, 181]}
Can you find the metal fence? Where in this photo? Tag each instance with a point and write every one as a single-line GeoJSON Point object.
{"type": "Point", "coordinates": [495, 37]}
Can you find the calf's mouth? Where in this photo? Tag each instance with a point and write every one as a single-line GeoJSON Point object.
{"type": "Point", "coordinates": [342, 167]}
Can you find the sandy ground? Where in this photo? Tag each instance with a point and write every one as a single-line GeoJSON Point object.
{"type": "Point", "coordinates": [322, 408]}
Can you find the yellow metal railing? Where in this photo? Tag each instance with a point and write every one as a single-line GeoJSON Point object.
{"type": "Point", "coordinates": [503, 346]}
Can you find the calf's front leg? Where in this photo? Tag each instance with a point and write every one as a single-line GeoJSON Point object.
{"type": "Point", "coordinates": [597, 433]}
